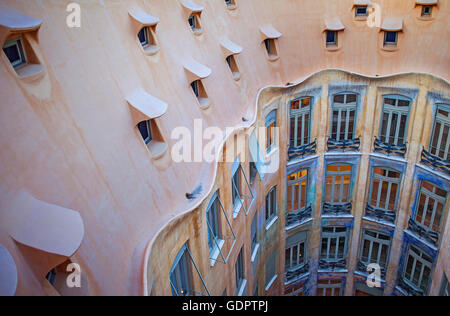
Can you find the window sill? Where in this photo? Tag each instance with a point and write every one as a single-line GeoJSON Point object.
{"type": "Point", "coordinates": [204, 103]}
{"type": "Point", "coordinates": [216, 252]}
{"type": "Point", "coordinates": [255, 253]}
{"type": "Point", "coordinates": [272, 221]}
{"type": "Point", "coordinates": [425, 18]}
{"type": "Point", "coordinates": [237, 208]}
{"type": "Point", "coordinates": [157, 149]}
{"type": "Point", "coordinates": [151, 50]}
{"type": "Point", "coordinates": [241, 290]}
{"type": "Point", "coordinates": [30, 71]}
{"type": "Point", "coordinates": [236, 76]}
{"type": "Point", "coordinates": [271, 282]}
{"type": "Point", "coordinates": [232, 7]}
{"type": "Point", "coordinates": [361, 18]}
{"type": "Point", "coordinates": [390, 47]}
{"type": "Point", "coordinates": [332, 48]}
{"type": "Point", "coordinates": [197, 32]}
{"type": "Point", "coordinates": [273, 58]}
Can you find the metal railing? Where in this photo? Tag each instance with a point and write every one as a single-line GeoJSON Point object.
{"type": "Point", "coordinates": [380, 214]}
{"type": "Point", "coordinates": [297, 217]}
{"type": "Point", "coordinates": [435, 162]}
{"type": "Point", "coordinates": [336, 209]}
{"type": "Point", "coordinates": [389, 149]}
{"type": "Point", "coordinates": [302, 151]}
{"type": "Point", "coordinates": [344, 145]}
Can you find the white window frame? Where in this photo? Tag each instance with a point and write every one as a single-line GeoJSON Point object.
{"type": "Point", "coordinates": [392, 110]}
{"type": "Point", "coordinates": [374, 243]}
{"type": "Point", "coordinates": [299, 117]}
{"type": "Point", "coordinates": [344, 109]}
{"type": "Point", "coordinates": [18, 43]}
{"type": "Point", "coordinates": [337, 236]}
{"type": "Point", "coordinates": [444, 123]}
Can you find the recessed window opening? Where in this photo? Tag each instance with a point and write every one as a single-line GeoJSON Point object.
{"type": "Point", "coordinates": [231, 61]}
{"type": "Point", "coordinates": [194, 22]}
{"type": "Point", "coordinates": [375, 248]}
{"type": "Point", "coordinates": [337, 186]}
{"type": "Point", "coordinates": [361, 11]}
{"type": "Point", "coordinates": [426, 10]}
{"type": "Point", "coordinates": [295, 253]}
{"type": "Point", "coordinates": [214, 229]}
{"type": "Point", "coordinates": [181, 274]}
{"type": "Point", "coordinates": [200, 92]}
{"type": "Point", "coordinates": [145, 128]}
{"type": "Point", "coordinates": [147, 38]}
{"type": "Point", "coordinates": [418, 266]}
{"type": "Point", "coordinates": [344, 116]}
{"type": "Point", "coordinates": [15, 52]}
{"type": "Point", "coordinates": [430, 209]}
{"type": "Point", "coordinates": [271, 124]}
{"type": "Point", "coordinates": [271, 48]}
{"type": "Point", "coordinates": [390, 38]}
{"type": "Point", "coordinates": [240, 272]}
{"type": "Point", "coordinates": [334, 243]}
{"type": "Point", "coordinates": [297, 186]}
{"type": "Point", "coordinates": [394, 120]}
{"type": "Point", "coordinates": [230, 3]}
{"type": "Point", "coordinates": [329, 288]}
{"type": "Point", "coordinates": [440, 140]}
{"type": "Point", "coordinates": [331, 38]}
{"type": "Point", "coordinates": [300, 124]}
{"type": "Point", "coordinates": [271, 204]}
{"type": "Point", "coordinates": [271, 272]}
{"type": "Point", "coordinates": [384, 189]}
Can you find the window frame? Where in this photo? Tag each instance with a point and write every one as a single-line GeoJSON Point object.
{"type": "Point", "coordinates": [19, 44]}
{"type": "Point", "coordinates": [365, 14]}
{"type": "Point", "coordinates": [335, 38]}
{"type": "Point", "coordinates": [444, 123]}
{"type": "Point", "coordinates": [342, 175]}
{"type": "Point", "coordinates": [341, 108]}
{"type": "Point", "coordinates": [271, 205]}
{"type": "Point", "coordinates": [291, 185]}
{"type": "Point", "coordinates": [425, 14]}
{"type": "Point", "coordinates": [382, 179]}
{"type": "Point", "coordinates": [390, 43]}
{"type": "Point", "coordinates": [185, 271]}
{"type": "Point", "coordinates": [337, 236]}
{"type": "Point", "coordinates": [239, 267]}
{"type": "Point", "coordinates": [375, 240]}
{"type": "Point", "coordinates": [437, 199]}
{"type": "Point", "coordinates": [296, 114]}
{"type": "Point", "coordinates": [214, 227]}
{"type": "Point", "coordinates": [417, 257]}
{"type": "Point", "coordinates": [390, 110]}
{"type": "Point", "coordinates": [271, 130]}
{"type": "Point", "coordinates": [271, 269]}
{"type": "Point", "coordinates": [296, 240]}
{"type": "Point", "coordinates": [145, 32]}
{"type": "Point", "coordinates": [149, 131]}
{"type": "Point", "coordinates": [337, 284]}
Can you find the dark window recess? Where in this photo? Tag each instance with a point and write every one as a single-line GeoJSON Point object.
{"type": "Point", "coordinates": [145, 130]}
{"type": "Point", "coordinates": [331, 37]}
{"type": "Point", "coordinates": [390, 37]}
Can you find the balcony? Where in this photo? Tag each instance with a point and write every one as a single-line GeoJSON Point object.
{"type": "Point", "coordinates": [302, 151]}
{"type": "Point", "coordinates": [298, 217]}
{"type": "Point", "coordinates": [428, 235]}
{"type": "Point", "coordinates": [337, 209]}
{"type": "Point", "coordinates": [407, 289]}
{"type": "Point", "coordinates": [326, 264]}
{"type": "Point", "coordinates": [435, 162]}
{"type": "Point", "coordinates": [296, 273]}
{"type": "Point", "coordinates": [343, 145]}
{"type": "Point", "coordinates": [382, 215]}
{"type": "Point", "coordinates": [389, 149]}
{"type": "Point", "coordinates": [362, 267]}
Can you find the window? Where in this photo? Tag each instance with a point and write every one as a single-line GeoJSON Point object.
{"type": "Point", "coordinates": [334, 243]}
{"type": "Point", "coordinates": [200, 93]}
{"type": "Point", "coordinates": [271, 204]}
{"type": "Point", "coordinates": [254, 231]}
{"type": "Point", "coordinates": [181, 274]}
{"type": "Point", "coordinates": [331, 38]}
{"type": "Point", "coordinates": [271, 48]}
{"type": "Point", "coordinates": [271, 124]}
{"type": "Point", "coordinates": [240, 274]}
{"type": "Point", "coordinates": [51, 276]}
{"type": "Point", "coordinates": [426, 10]}
{"type": "Point", "coordinates": [394, 120]}
{"type": "Point", "coordinates": [418, 269]}
{"type": "Point", "coordinates": [329, 288]}
{"type": "Point", "coordinates": [300, 116]}
{"type": "Point", "coordinates": [143, 37]}
{"type": "Point", "coordinates": [230, 4]}
{"type": "Point", "coordinates": [429, 211]}
{"type": "Point", "coordinates": [445, 287]}
{"type": "Point", "coordinates": [15, 52]}
{"type": "Point", "coordinates": [147, 38]}
{"type": "Point", "coordinates": [440, 140]}
{"type": "Point", "coordinates": [384, 190]}
{"type": "Point", "coordinates": [343, 121]}
{"type": "Point", "coordinates": [295, 253]}
{"type": "Point", "coordinates": [390, 38]}
{"type": "Point", "coordinates": [213, 219]}
{"type": "Point", "coordinates": [194, 23]}
{"type": "Point", "coordinates": [236, 188]}
{"type": "Point", "coordinates": [253, 171]}
{"type": "Point", "coordinates": [271, 273]}
{"type": "Point", "coordinates": [297, 187]}
{"type": "Point", "coordinates": [146, 131]}
{"type": "Point", "coordinates": [231, 61]}
{"type": "Point", "coordinates": [375, 248]}
{"type": "Point", "coordinates": [337, 188]}
{"type": "Point", "coordinates": [361, 11]}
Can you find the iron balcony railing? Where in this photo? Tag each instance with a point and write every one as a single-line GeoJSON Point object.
{"type": "Point", "coordinates": [344, 145]}
{"type": "Point", "coordinates": [408, 289]}
{"type": "Point", "coordinates": [388, 216]}
{"type": "Point", "coordinates": [337, 209]}
{"type": "Point", "coordinates": [389, 149]}
{"type": "Point", "coordinates": [297, 217]}
{"type": "Point", "coordinates": [302, 151]}
{"type": "Point", "coordinates": [435, 162]}
{"type": "Point", "coordinates": [428, 235]}
{"type": "Point", "coordinates": [296, 273]}
{"type": "Point", "coordinates": [332, 265]}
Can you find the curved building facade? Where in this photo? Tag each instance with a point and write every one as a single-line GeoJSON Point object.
{"type": "Point", "coordinates": [246, 147]}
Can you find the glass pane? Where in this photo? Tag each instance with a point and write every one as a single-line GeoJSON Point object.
{"type": "Point", "coordinates": [300, 123]}
{"type": "Point", "coordinates": [402, 130]}
{"type": "Point", "coordinates": [365, 251]}
{"type": "Point", "coordinates": [384, 123]}
{"type": "Point", "coordinates": [306, 102]}
{"type": "Point", "coordinates": [343, 125]}
{"type": "Point", "coordinates": [306, 130]}
{"type": "Point", "coordinates": [339, 98]}
{"type": "Point", "coordinates": [293, 143]}
{"type": "Point", "coordinates": [334, 128]}
{"type": "Point", "coordinates": [12, 52]}
{"type": "Point", "coordinates": [393, 128]}
{"type": "Point", "coordinates": [351, 123]}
